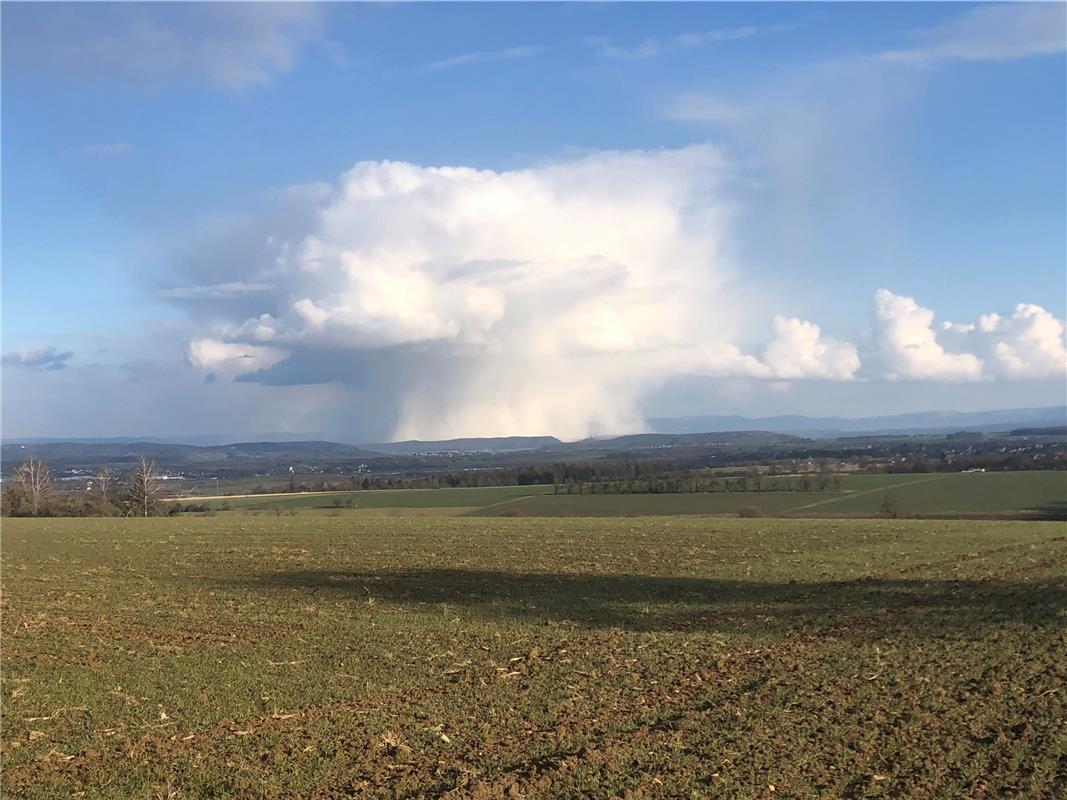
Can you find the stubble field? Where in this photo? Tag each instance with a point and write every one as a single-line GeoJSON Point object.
{"type": "Point", "coordinates": [338, 656]}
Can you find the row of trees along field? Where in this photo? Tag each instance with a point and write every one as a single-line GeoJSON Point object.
{"type": "Point", "coordinates": [32, 492]}
{"type": "Point", "coordinates": [692, 483]}
{"type": "Point", "coordinates": [595, 477]}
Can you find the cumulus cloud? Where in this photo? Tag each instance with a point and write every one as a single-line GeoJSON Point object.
{"type": "Point", "coordinates": [40, 358]}
{"type": "Point", "coordinates": [538, 300]}
{"type": "Point", "coordinates": [991, 32]}
{"type": "Point", "coordinates": [231, 45]}
{"type": "Point", "coordinates": [909, 344]}
{"type": "Point", "coordinates": [800, 351]}
{"type": "Point", "coordinates": [229, 358]}
{"type": "Point", "coordinates": [1028, 344]}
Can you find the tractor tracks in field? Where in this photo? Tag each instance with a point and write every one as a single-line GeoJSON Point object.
{"type": "Point", "coordinates": [866, 492]}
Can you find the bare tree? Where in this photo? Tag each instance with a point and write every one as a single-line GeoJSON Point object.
{"type": "Point", "coordinates": [34, 477]}
{"type": "Point", "coordinates": [103, 482]}
{"type": "Point", "coordinates": [143, 487]}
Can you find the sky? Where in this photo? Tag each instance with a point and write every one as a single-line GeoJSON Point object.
{"type": "Point", "coordinates": [434, 220]}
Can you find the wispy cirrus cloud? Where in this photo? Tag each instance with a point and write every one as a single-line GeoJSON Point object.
{"type": "Point", "coordinates": [702, 107]}
{"type": "Point", "coordinates": [606, 47]}
{"type": "Point", "coordinates": [990, 33]}
{"type": "Point", "coordinates": [720, 35]}
{"type": "Point", "coordinates": [229, 45]}
{"type": "Point", "coordinates": [39, 358]}
{"type": "Point", "coordinates": [507, 54]}
{"type": "Point", "coordinates": [987, 33]}
{"type": "Point", "coordinates": [215, 291]}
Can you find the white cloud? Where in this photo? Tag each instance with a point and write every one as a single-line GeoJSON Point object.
{"type": "Point", "coordinates": [800, 351]}
{"type": "Point", "coordinates": [486, 55]}
{"type": "Point", "coordinates": [229, 359]}
{"type": "Point", "coordinates": [551, 299]}
{"type": "Point", "coordinates": [547, 299]}
{"type": "Point", "coordinates": [39, 358]}
{"type": "Point", "coordinates": [232, 45]}
{"type": "Point", "coordinates": [909, 345]}
{"type": "Point", "coordinates": [1028, 344]}
{"type": "Point", "coordinates": [991, 32]}
{"type": "Point", "coordinates": [1025, 345]}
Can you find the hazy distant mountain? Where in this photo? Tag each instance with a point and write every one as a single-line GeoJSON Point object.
{"type": "Point", "coordinates": [642, 441]}
{"type": "Point", "coordinates": [244, 455]}
{"type": "Point", "coordinates": [919, 422]}
{"type": "Point", "coordinates": [194, 439]}
{"type": "Point", "coordinates": [749, 430]}
{"type": "Point", "coordinates": [491, 444]}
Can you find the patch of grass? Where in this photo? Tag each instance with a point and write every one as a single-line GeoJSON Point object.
{"type": "Point", "coordinates": [264, 656]}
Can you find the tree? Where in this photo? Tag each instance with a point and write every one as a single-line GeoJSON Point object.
{"type": "Point", "coordinates": [103, 483]}
{"type": "Point", "coordinates": [143, 487]}
{"type": "Point", "coordinates": [34, 478]}
{"type": "Point", "coordinates": [890, 506]}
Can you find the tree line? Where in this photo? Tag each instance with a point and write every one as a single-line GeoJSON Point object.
{"type": "Point", "coordinates": [592, 477]}
{"type": "Point", "coordinates": [32, 492]}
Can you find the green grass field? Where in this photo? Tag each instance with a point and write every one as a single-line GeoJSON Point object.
{"type": "Point", "coordinates": [380, 498]}
{"type": "Point", "coordinates": [633, 505]}
{"type": "Point", "coordinates": [320, 656]}
{"type": "Point", "coordinates": [949, 494]}
{"type": "Point", "coordinates": [960, 492]}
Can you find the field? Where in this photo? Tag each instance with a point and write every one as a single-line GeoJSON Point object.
{"type": "Point", "coordinates": [335, 656]}
{"type": "Point", "coordinates": [1042, 494]}
{"type": "Point", "coordinates": [1026, 494]}
{"type": "Point", "coordinates": [381, 498]}
{"type": "Point", "coordinates": [634, 505]}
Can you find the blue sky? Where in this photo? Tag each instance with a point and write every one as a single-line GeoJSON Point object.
{"type": "Point", "coordinates": [169, 168]}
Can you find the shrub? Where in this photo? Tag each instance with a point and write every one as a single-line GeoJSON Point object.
{"type": "Point", "coordinates": [890, 507]}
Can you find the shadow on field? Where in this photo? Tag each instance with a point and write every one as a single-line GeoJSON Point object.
{"type": "Point", "coordinates": [1056, 510]}
{"type": "Point", "coordinates": [648, 603]}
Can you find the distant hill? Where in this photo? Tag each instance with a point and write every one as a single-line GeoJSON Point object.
{"type": "Point", "coordinates": [792, 424]}
{"type": "Point", "coordinates": [68, 455]}
{"type": "Point", "coordinates": [705, 439]}
{"type": "Point", "coordinates": [550, 444]}
{"type": "Point", "coordinates": [492, 444]}
{"type": "Point", "coordinates": [919, 422]}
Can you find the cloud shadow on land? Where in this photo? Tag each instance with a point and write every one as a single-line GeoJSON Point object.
{"type": "Point", "coordinates": [1056, 510]}
{"type": "Point", "coordinates": [651, 603]}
